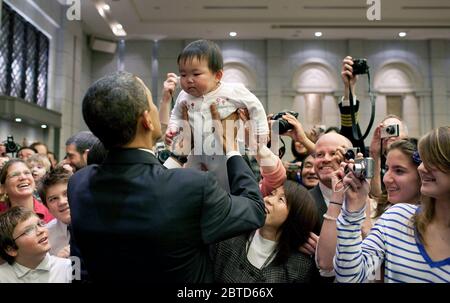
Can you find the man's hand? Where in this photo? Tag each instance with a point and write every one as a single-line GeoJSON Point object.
{"type": "Point", "coordinates": [169, 135]}
{"type": "Point", "coordinates": [347, 76]}
{"type": "Point", "coordinates": [227, 140]}
{"type": "Point", "coordinates": [182, 143]}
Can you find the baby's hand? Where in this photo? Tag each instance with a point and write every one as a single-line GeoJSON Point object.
{"type": "Point", "coordinates": [170, 134]}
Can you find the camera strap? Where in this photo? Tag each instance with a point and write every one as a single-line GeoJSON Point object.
{"type": "Point", "coordinates": [352, 113]}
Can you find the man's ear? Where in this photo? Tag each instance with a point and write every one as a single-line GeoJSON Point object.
{"type": "Point", "coordinates": [11, 251]}
{"type": "Point", "coordinates": [147, 121]}
{"type": "Point", "coordinates": [85, 154]}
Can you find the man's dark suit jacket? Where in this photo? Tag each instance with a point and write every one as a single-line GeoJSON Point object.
{"type": "Point", "coordinates": [322, 208]}
{"type": "Point", "coordinates": [135, 220]}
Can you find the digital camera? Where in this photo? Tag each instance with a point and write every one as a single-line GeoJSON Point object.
{"type": "Point", "coordinates": [362, 168]}
{"type": "Point", "coordinates": [284, 126]}
{"type": "Point", "coordinates": [390, 131]}
{"type": "Point", "coordinates": [360, 67]}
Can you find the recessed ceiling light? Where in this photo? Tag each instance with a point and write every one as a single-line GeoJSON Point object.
{"type": "Point", "coordinates": [402, 34]}
{"type": "Point", "coordinates": [106, 7]}
{"type": "Point", "coordinates": [318, 34]}
{"type": "Point", "coordinates": [233, 34]}
{"type": "Point", "coordinates": [43, 126]}
{"type": "Point", "coordinates": [18, 119]}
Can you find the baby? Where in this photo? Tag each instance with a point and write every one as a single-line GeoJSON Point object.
{"type": "Point", "coordinates": [201, 70]}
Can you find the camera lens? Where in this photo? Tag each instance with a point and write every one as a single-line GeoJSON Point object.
{"type": "Point", "coordinates": [350, 154]}
{"type": "Point", "coordinates": [390, 130]}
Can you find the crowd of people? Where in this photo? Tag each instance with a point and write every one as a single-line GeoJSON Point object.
{"type": "Point", "coordinates": [202, 214]}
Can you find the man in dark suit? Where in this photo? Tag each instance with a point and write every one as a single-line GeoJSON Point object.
{"type": "Point", "coordinates": [135, 220]}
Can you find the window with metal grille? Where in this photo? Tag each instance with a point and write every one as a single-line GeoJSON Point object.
{"type": "Point", "coordinates": [23, 59]}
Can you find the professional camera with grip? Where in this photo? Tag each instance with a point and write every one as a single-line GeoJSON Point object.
{"type": "Point", "coordinates": [11, 146]}
{"type": "Point", "coordinates": [360, 67]}
{"type": "Point", "coordinates": [390, 131]}
{"type": "Point", "coordinates": [362, 168]}
{"type": "Point", "coordinates": [284, 126]}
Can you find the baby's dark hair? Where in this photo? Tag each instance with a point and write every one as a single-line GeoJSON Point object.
{"type": "Point", "coordinates": [203, 49]}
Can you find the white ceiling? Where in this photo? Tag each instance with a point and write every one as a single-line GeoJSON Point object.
{"type": "Point", "coordinates": [274, 19]}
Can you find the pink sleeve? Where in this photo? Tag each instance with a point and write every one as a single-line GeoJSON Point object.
{"type": "Point", "coordinates": [273, 179]}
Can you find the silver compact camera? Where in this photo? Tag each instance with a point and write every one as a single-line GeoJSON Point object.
{"type": "Point", "coordinates": [362, 168]}
{"type": "Point", "coordinates": [390, 131]}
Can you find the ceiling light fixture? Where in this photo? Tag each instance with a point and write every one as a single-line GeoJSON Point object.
{"type": "Point", "coordinates": [402, 34]}
{"type": "Point", "coordinates": [233, 34]}
{"type": "Point", "coordinates": [43, 126]}
{"type": "Point", "coordinates": [106, 7]}
{"type": "Point", "coordinates": [18, 120]}
{"type": "Point", "coordinates": [318, 34]}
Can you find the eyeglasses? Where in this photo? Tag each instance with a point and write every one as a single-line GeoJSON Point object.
{"type": "Point", "coordinates": [17, 174]}
{"type": "Point", "coordinates": [31, 229]}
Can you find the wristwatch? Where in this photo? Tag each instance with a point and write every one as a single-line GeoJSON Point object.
{"type": "Point", "coordinates": [180, 158]}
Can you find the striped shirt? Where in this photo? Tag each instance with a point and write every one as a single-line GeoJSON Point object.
{"type": "Point", "coordinates": [393, 240]}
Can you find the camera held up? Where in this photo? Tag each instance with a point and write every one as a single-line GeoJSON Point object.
{"type": "Point", "coordinates": [390, 131]}
{"type": "Point", "coordinates": [362, 168]}
{"type": "Point", "coordinates": [360, 67]}
{"type": "Point", "coordinates": [11, 146]}
{"type": "Point", "coordinates": [284, 126]}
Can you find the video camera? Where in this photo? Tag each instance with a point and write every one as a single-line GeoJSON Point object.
{"type": "Point", "coordinates": [284, 126]}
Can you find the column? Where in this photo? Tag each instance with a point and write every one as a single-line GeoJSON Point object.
{"type": "Point", "coordinates": [411, 115]}
{"type": "Point", "coordinates": [274, 96]}
{"type": "Point", "coordinates": [330, 111]}
{"type": "Point", "coordinates": [313, 110]}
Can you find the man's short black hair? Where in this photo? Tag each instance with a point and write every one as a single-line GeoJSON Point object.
{"type": "Point", "coordinates": [203, 49]}
{"type": "Point", "coordinates": [112, 106]}
{"type": "Point", "coordinates": [82, 140]}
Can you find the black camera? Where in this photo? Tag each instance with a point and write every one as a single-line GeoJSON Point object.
{"type": "Point", "coordinates": [284, 126]}
{"type": "Point", "coordinates": [11, 146]}
{"type": "Point", "coordinates": [360, 67]}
